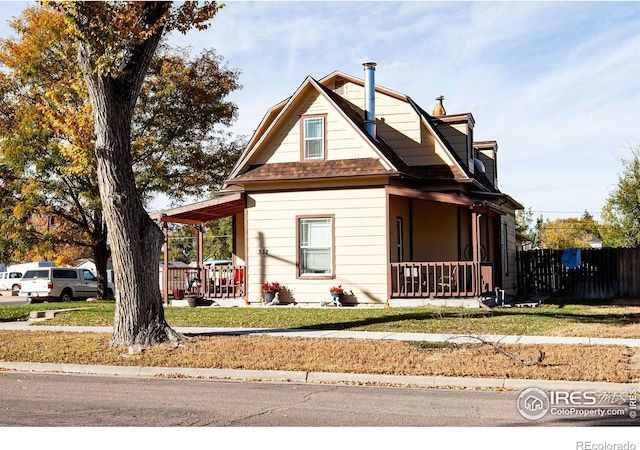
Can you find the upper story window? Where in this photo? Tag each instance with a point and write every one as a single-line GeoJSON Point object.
{"type": "Point", "coordinates": [313, 132]}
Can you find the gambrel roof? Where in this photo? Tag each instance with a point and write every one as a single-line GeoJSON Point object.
{"type": "Point", "coordinates": [429, 166]}
{"type": "Point", "coordinates": [383, 160]}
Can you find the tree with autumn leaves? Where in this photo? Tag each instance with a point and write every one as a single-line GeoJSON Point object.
{"type": "Point", "coordinates": [619, 226]}
{"type": "Point", "coordinates": [129, 139]}
{"type": "Point", "coordinates": [51, 202]}
{"type": "Point", "coordinates": [558, 234]}
{"type": "Point", "coordinates": [571, 232]}
{"type": "Point", "coordinates": [621, 213]}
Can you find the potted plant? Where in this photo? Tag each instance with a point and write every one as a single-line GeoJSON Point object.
{"type": "Point", "coordinates": [336, 293]}
{"type": "Point", "coordinates": [270, 290]}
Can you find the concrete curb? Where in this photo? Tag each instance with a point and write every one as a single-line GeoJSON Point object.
{"type": "Point", "coordinates": [318, 377]}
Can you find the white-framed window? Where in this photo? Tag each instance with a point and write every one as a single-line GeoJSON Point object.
{"type": "Point", "coordinates": [315, 246]}
{"type": "Point", "coordinates": [313, 137]}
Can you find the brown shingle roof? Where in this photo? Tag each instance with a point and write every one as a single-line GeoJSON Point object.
{"type": "Point", "coordinates": [313, 169]}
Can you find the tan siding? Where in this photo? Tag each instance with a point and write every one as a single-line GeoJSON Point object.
{"type": "Point", "coordinates": [465, 250]}
{"type": "Point", "coordinates": [400, 126]}
{"type": "Point", "coordinates": [343, 141]}
{"type": "Point", "coordinates": [354, 93]}
{"type": "Point", "coordinates": [399, 208]}
{"type": "Point", "coordinates": [360, 244]}
{"type": "Point", "coordinates": [400, 116]}
{"type": "Point", "coordinates": [435, 228]}
{"type": "Point", "coordinates": [284, 145]}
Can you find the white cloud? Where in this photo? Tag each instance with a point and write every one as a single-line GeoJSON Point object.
{"type": "Point", "coordinates": [555, 83]}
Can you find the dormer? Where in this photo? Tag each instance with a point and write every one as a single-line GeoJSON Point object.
{"type": "Point", "coordinates": [487, 154]}
{"type": "Point", "coordinates": [457, 129]}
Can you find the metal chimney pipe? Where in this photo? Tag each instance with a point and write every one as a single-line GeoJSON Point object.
{"type": "Point", "coordinates": [369, 98]}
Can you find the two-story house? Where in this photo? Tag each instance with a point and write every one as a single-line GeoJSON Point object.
{"type": "Point", "coordinates": [352, 184]}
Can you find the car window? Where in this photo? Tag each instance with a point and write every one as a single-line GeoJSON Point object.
{"type": "Point", "coordinates": [65, 273]}
{"type": "Point", "coordinates": [15, 275]}
{"type": "Point", "coordinates": [36, 274]}
{"type": "Point", "coordinates": [88, 276]}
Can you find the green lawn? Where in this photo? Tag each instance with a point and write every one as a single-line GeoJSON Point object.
{"type": "Point", "coordinates": [544, 320]}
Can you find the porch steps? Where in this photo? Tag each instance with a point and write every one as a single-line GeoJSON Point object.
{"type": "Point", "coordinates": [529, 302]}
{"type": "Point", "coordinates": [51, 313]}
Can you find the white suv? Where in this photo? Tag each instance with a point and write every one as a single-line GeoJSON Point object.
{"type": "Point", "coordinates": [60, 283]}
{"type": "Point", "coordinates": [10, 281]}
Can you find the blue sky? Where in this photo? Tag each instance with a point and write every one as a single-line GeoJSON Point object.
{"type": "Point", "coordinates": [557, 84]}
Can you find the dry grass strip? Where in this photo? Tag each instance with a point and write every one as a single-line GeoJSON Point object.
{"type": "Point", "coordinates": [561, 362]}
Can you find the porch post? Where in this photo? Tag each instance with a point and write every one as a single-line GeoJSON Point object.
{"type": "Point", "coordinates": [387, 208]}
{"type": "Point", "coordinates": [200, 251]}
{"type": "Point", "coordinates": [165, 269]}
{"type": "Point", "coordinates": [475, 245]}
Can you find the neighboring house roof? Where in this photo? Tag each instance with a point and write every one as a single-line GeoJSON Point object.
{"type": "Point", "coordinates": [175, 264]}
{"type": "Point", "coordinates": [86, 262]}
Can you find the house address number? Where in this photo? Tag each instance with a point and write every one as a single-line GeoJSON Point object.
{"type": "Point", "coordinates": [263, 251]}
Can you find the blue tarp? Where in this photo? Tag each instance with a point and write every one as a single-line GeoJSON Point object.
{"type": "Point", "coordinates": [571, 258]}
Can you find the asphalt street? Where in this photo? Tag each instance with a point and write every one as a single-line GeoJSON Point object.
{"type": "Point", "coordinates": [48, 399]}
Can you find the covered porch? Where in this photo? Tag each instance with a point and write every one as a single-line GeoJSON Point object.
{"type": "Point", "coordinates": [211, 281]}
{"type": "Point", "coordinates": [441, 246]}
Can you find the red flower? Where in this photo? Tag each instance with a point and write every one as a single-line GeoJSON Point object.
{"type": "Point", "coordinates": [337, 290]}
{"type": "Point", "coordinates": [274, 286]}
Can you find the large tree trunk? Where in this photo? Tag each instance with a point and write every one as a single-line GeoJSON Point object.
{"type": "Point", "coordinates": [134, 238]}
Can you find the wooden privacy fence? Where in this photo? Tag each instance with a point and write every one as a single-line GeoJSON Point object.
{"type": "Point", "coordinates": [602, 274]}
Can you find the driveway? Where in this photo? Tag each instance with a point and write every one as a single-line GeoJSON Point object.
{"type": "Point", "coordinates": [7, 298]}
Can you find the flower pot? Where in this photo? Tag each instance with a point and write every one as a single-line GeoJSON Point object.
{"type": "Point", "coordinates": [269, 296]}
{"type": "Point", "coordinates": [337, 295]}
{"type": "Point", "coordinates": [192, 301]}
{"type": "Point", "coordinates": [178, 294]}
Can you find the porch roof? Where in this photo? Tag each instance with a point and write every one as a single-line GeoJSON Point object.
{"type": "Point", "coordinates": [205, 211]}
